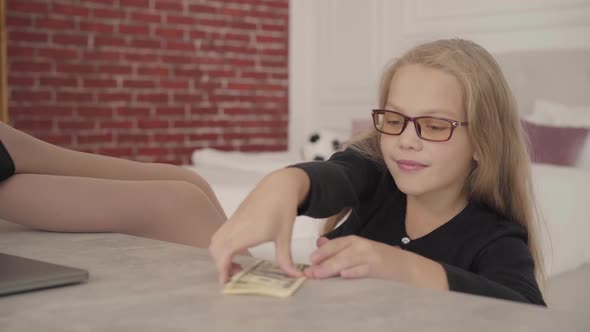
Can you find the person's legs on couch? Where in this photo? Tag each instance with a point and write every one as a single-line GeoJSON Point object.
{"type": "Point", "coordinates": [76, 191]}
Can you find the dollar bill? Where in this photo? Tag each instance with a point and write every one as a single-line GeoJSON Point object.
{"type": "Point", "coordinates": [264, 278]}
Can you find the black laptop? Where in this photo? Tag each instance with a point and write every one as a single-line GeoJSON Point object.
{"type": "Point", "coordinates": [19, 274]}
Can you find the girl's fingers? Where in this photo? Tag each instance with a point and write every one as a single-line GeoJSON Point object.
{"type": "Point", "coordinates": [224, 247]}
{"type": "Point", "coordinates": [328, 249]}
{"type": "Point", "coordinates": [321, 241]}
{"type": "Point", "coordinates": [235, 269]}
{"type": "Point", "coordinates": [283, 255]}
{"type": "Point", "coordinates": [355, 272]}
{"type": "Point", "coordinates": [222, 264]}
{"type": "Point", "coordinates": [332, 266]}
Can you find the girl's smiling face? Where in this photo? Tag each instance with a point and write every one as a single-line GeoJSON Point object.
{"type": "Point", "coordinates": [418, 166]}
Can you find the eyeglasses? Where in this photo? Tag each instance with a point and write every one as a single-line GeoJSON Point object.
{"type": "Point", "coordinates": [428, 128]}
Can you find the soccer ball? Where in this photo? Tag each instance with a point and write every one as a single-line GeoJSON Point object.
{"type": "Point", "coordinates": [322, 144]}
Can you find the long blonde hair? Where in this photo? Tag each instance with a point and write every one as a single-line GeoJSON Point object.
{"type": "Point", "coordinates": [502, 178]}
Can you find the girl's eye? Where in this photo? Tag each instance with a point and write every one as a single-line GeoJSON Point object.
{"type": "Point", "coordinates": [435, 128]}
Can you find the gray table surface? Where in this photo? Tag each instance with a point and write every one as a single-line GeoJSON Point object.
{"type": "Point", "coordinates": [138, 284]}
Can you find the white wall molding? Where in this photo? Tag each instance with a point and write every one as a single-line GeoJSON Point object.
{"type": "Point", "coordinates": [501, 25]}
{"type": "Point", "coordinates": [301, 78]}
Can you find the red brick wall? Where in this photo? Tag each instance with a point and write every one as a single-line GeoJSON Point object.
{"type": "Point", "coordinates": [150, 80]}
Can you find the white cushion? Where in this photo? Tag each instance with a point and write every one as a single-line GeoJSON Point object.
{"type": "Point", "coordinates": [555, 114]}
{"type": "Point", "coordinates": [562, 198]}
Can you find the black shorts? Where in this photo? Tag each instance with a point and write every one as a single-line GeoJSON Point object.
{"type": "Point", "coordinates": [6, 163]}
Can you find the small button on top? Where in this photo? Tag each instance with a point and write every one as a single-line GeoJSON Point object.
{"type": "Point", "coordinates": [405, 240]}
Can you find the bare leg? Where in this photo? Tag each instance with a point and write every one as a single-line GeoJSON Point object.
{"type": "Point", "coordinates": [82, 192]}
{"type": "Point", "coordinates": [34, 156]}
{"type": "Point", "coordinates": [174, 211]}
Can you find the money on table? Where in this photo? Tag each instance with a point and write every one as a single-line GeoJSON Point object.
{"type": "Point", "coordinates": [264, 278]}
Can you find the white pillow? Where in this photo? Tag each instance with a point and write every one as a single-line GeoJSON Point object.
{"type": "Point", "coordinates": [263, 162]}
{"type": "Point", "coordinates": [554, 114]}
{"type": "Point", "coordinates": [561, 194]}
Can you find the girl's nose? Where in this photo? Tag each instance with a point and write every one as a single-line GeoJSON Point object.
{"type": "Point", "coordinates": [409, 139]}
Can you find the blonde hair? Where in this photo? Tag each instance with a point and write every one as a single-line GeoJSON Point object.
{"type": "Point", "coordinates": [502, 178]}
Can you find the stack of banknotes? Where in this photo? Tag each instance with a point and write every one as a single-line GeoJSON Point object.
{"type": "Point", "coordinates": [264, 278]}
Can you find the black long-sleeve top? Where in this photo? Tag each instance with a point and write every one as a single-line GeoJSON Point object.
{"type": "Point", "coordinates": [481, 252]}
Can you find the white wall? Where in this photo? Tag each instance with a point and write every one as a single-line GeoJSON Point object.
{"type": "Point", "coordinates": [339, 47]}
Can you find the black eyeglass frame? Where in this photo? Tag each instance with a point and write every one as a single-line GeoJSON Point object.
{"type": "Point", "coordinates": [454, 124]}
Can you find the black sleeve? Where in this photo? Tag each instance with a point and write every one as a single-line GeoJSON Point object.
{"type": "Point", "coordinates": [503, 269]}
{"type": "Point", "coordinates": [339, 182]}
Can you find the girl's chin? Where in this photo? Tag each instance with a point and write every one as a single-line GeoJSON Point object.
{"type": "Point", "coordinates": [411, 184]}
{"type": "Point", "coordinates": [412, 191]}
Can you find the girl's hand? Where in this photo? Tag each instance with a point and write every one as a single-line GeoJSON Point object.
{"type": "Point", "coordinates": [267, 214]}
{"type": "Point", "coordinates": [355, 257]}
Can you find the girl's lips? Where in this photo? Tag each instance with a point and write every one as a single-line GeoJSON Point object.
{"type": "Point", "coordinates": [410, 165]}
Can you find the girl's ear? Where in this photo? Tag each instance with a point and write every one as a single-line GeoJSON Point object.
{"type": "Point", "coordinates": [476, 157]}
